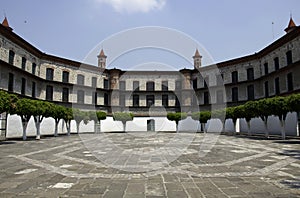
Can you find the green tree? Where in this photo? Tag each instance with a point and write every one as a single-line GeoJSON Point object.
{"type": "Point", "coordinates": [123, 117]}
{"type": "Point", "coordinates": [221, 115]}
{"type": "Point", "coordinates": [202, 117]}
{"type": "Point", "coordinates": [23, 108]}
{"type": "Point", "coordinates": [294, 105]}
{"type": "Point", "coordinates": [39, 110]}
{"type": "Point", "coordinates": [264, 111]}
{"type": "Point", "coordinates": [279, 107]}
{"type": "Point", "coordinates": [80, 116]}
{"type": "Point", "coordinates": [57, 113]}
{"type": "Point", "coordinates": [237, 112]}
{"type": "Point", "coordinates": [68, 117]}
{"type": "Point", "coordinates": [250, 111]}
{"type": "Point", "coordinates": [101, 115]}
{"type": "Point", "coordinates": [7, 101]}
{"type": "Point", "coordinates": [176, 117]}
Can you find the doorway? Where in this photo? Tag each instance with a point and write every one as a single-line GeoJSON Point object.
{"type": "Point", "coordinates": [151, 125]}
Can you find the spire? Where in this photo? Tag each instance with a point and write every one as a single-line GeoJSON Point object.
{"type": "Point", "coordinates": [197, 54]}
{"type": "Point", "coordinates": [102, 53]}
{"type": "Point", "coordinates": [5, 24]}
{"type": "Point", "coordinates": [291, 26]}
{"type": "Point", "coordinates": [197, 59]}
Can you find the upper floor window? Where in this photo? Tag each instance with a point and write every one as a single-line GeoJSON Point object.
{"type": "Point", "coordinates": [94, 82]}
{"type": "Point", "coordinates": [136, 85]}
{"type": "Point", "coordinates": [95, 98]}
{"type": "Point", "coordinates": [266, 89]}
{"type": "Point", "coordinates": [150, 100]}
{"type": "Point", "coordinates": [80, 79]}
{"type": "Point", "coordinates": [65, 95]}
{"type": "Point", "coordinates": [220, 97]}
{"type": "Point", "coordinates": [206, 82]}
{"type": "Point", "coordinates": [105, 84]}
{"type": "Point", "coordinates": [266, 68]}
{"type": "Point", "coordinates": [33, 69]}
{"type": "Point", "coordinates": [136, 100]}
{"type": "Point", "coordinates": [49, 74]}
{"type": "Point", "coordinates": [23, 66]}
{"type": "Point", "coordinates": [234, 77]}
{"type": "Point", "coordinates": [65, 76]}
{"type": "Point", "coordinates": [10, 82]}
{"type": "Point", "coordinates": [289, 57]}
{"type": "Point", "coordinates": [150, 86]}
{"type": "Point", "coordinates": [164, 85]}
{"type": "Point", "coordinates": [106, 99]}
{"type": "Point", "coordinates": [11, 57]}
{"type": "Point", "coordinates": [195, 82]}
{"type": "Point", "coordinates": [250, 92]}
{"type": "Point", "coordinates": [235, 94]}
{"type": "Point", "coordinates": [122, 100]}
{"type": "Point", "coordinates": [80, 96]}
{"type": "Point", "coordinates": [33, 88]}
{"type": "Point", "coordinates": [290, 81]}
{"type": "Point", "coordinates": [276, 63]}
{"type": "Point", "coordinates": [122, 85]}
{"type": "Point", "coordinates": [49, 93]}
{"type": "Point", "coordinates": [206, 98]}
{"type": "Point", "coordinates": [165, 100]}
{"type": "Point", "coordinates": [250, 74]}
{"type": "Point", "coordinates": [178, 84]}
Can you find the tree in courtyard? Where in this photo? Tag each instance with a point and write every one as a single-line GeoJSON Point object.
{"type": "Point", "coordinates": [202, 117]}
{"type": "Point", "coordinates": [293, 103]}
{"type": "Point", "coordinates": [264, 110]}
{"type": "Point", "coordinates": [7, 101]}
{"type": "Point", "coordinates": [101, 115]}
{"type": "Point", "coordinates": [57, 113]}
{"type": "Point", "coordinates": [123, 117]}
{"type": "Point", "coordinates": [176, 117]}
{"type": "Point", "coordinates": [80, 116]}
{"type": "Point", "coordinates": [68, 117]}
{"type": "Point", "coordinates": [250, 111]}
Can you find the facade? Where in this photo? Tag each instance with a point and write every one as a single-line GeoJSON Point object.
{"type": "Point", "coordinates": [27, 71]}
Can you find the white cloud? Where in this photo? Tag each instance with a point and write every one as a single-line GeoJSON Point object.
{"type": "Point", "coordinates": [132, 6]}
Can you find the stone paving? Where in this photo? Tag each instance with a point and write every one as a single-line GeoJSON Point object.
{"type": "Point", "coordinates": [150, 165]}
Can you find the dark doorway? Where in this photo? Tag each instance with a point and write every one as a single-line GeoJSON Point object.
{"type": "Point", "coordinates": [151, 125]}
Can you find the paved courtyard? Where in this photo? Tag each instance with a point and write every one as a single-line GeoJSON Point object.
{"type": "Point", "coordinates": [150, 165]}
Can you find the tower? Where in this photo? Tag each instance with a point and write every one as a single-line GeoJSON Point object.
{"type": "Point", "coordinates": [5, 24]}
{"type": "Point", "coordinates": [197, 59]}
{"type": "Point", "coordinates": [102, 59]}
{"type": "Point", "coordinates": [291, 26]}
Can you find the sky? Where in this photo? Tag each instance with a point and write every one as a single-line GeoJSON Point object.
{"type": "Point", "coordinates": [220, 29]}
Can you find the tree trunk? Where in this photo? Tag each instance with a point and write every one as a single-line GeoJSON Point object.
{"type": "Point", "coordinates": [198, 127]}
{"type": "Point", "coordinates": [124, 126]}
{"type": "Point", "coordinates": [266, 127]}
{"type": "Point", "coordinates": [283, 129]}
{"type": "Point", "coordinates": [203, 127]}
{"type": "Point", "coordinates": [77, 127]}
{"type": "Point", "coordinates": [24, 124]}
{"type": "Point", "coordinates": [68, 126]}
{"type": "Point", "coordinates": [56, 128]}
{"type": "Point", "coordinates": [249, 131]}
{"type": "Point", "coordinates": [38, 127]}
{"type": "Point", "coordinates": [234, 127]}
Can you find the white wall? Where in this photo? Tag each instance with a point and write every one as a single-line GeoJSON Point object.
{"type": "Point", "coordinates": [14, 126]}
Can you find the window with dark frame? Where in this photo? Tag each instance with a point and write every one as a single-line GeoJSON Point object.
{"type": "Point", "coordinates": [65, 77]}
{"type": "Point", "coordinates": [206, 82]}
{"type": "Point", "coordinates": [49, 93]}
{"type": "Point", "coordinates": [250, 74]}
{"type": "Point", "coordinates": [49, 74]}
{"type": "Point", "coordinates": [289, 57]}
{"type": "Point", "coordinates": [122, 85]}
{"type": "Point", "coordinates": [178, 85]}
{"type": "Point", "coordinates": [206, 97]}
{"type": "Point", "coordinates": [11, 57]}
{"type": "Point", "coordinates": [33, 69]}
{"type": "Point", "coordinates": [165, 100]}
{"type": "Point", "coordinates": [235, 94]}
{"type": "Point", "coordinates": [177, 102]}
{"type": "Point", "coordinates": [122, 100]}
{"type": "Point", "coordinates": [23, 66]}
{"type": "Point", "coordinates": [80, 79]}
{"type": "Point", "coordinates": [23, 86]}
{"type": "Point", "coordinates": [106, 99]}
{"type": "Point", "coordinates": [136, 85]}
{"type": "Point", "coordinates": [164, 85]}
{"type": "Point", "coordinates": [33, 90]}
{"type": "Point", "coordinates": [80, 96]}
{"type": "Point", "coordinates": [105, 84]}
{"type": "Point", "coordinates": [94, 82]}
{"type": "Point", "coordinates": [266, 68]}
{"type": "Point", "coordinates": [65, 94]}
{"type": "Point", "coordinates": [250, 92]}
{"type": "Point", "coordinates": [150, 100]}
{"type": "Point", "coordinates": [277, 86]}
{"type": "Point", "coordinates": [266, 89]}
{"type": "Point", "coordinates": [290, 81]}
{"type": "Point", "coordinates": [136, 100]}
{"type": "Point", "coordinates": [11, 82]}
{"type": "Point", "coordinates": [195, 83]}
{"type": "Point", "coordinates": [234, 76]}
{"type": "Point", "coordinates": [150, 86]}
{"type": "Point", "coordinates": [95, 98]}
{"type": "Point", "coordinates": [276, 63]}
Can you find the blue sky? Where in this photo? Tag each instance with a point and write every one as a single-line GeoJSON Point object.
{"type": "Point", "coordinates": [226, 29]}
